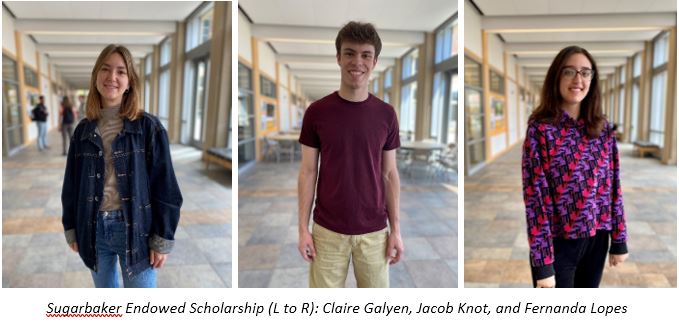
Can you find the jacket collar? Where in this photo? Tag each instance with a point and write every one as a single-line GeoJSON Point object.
{"type": "Point", "coordinates": [131, 127]}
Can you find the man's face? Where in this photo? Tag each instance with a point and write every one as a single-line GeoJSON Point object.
{"type": "Point", "coordinates": [356, 61]}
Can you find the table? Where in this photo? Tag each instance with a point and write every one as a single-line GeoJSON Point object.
{"type": "Point", "coordinates": [284, 137]}
{"type": "Point", "coordinates": [422, 145]}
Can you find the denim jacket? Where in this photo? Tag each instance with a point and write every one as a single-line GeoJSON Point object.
{"type": "Point", "coordinates": [147, 185]}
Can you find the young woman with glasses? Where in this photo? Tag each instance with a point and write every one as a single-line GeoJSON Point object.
{"type": "Point", "coordinates": [571, 179]}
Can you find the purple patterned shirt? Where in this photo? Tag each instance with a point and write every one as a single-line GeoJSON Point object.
{"type": "Point", "coordinates": [571, 188]}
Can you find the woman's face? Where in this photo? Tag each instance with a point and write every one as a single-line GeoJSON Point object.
{"type": "Point", "coordinates": [112, 80]}
{"type": "Point", "coordinates": [575, 78]}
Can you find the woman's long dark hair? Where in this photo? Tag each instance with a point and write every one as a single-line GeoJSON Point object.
{"type": "Point", "coordinates": [549, 109]}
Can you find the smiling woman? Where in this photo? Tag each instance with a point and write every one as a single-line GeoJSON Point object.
{"type": "Point", "coordinates": [120, 195]}
{"type": "Point", "coordinates": [571, 179]}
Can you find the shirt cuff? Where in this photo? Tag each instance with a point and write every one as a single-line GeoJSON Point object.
{"type": "Point", "coordinates": [70, 236]}
{"type": "Point", "coordinates": [161, 245]}
{"type": "Point", "coordinates": [619, 248]}
{"type": "Point", "coordinates": [540, 272]}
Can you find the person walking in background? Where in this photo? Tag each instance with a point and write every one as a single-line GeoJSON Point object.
{"type": "Point", "coordinates": [120, 196]}
{"type": "Point", "coordinates": [40, 114]}
{"type": "Point", "coordinates": [81, 107]}
{"type": "Point", "coordinates": [67, 116]}
{"type": "Point", "coordinates": [355, 136]}
{"type": "Point", "coordinates": [571, 179]}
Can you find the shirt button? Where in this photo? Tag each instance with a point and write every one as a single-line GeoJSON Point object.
{"type": "Point", "coordinates": [96, 198]}
{"type": "Point", "coordinates": [98, 175]}
{"type": "Point", "coordinates": [100, 153]}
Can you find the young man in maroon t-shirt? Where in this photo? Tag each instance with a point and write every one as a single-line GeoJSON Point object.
{"type": "Point", "coordinates": [354, 135]}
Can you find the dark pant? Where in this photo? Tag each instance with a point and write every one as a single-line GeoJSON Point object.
{"type": "Point", "coordinates": [66, 133]}
{"type": "Point", "coordinates": [580, 262]}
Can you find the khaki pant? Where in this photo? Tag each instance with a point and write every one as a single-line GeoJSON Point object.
{"type": "Point", "coordinates": [334, 250]}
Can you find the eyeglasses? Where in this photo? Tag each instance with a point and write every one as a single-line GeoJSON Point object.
{"type": "Point", "coordinates": [570, 73]}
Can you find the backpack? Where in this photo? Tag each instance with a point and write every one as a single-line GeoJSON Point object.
{"type": "Point", "coordinates": [67, 115]}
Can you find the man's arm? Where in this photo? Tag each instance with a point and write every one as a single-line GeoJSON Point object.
{"type": "Point", "coordinates": [306, 187]}
{"type": "Point", "coordinates": [392, 188]}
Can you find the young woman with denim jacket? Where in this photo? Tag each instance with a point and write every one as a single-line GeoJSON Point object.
{"type": "Point", "coordinates": [120, 195]}
{"type": "Point", "coordinates": [571, 179]}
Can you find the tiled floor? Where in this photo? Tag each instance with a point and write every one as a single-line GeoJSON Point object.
{"type": "Point", "coordinates": [34, 251]}
{"type": "Point", "coordinates": [496, 245]}
{"type": "Point", "coordinates": [267, 231]}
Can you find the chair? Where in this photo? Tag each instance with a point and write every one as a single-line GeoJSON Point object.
{"type": "Point", "coordinates": [446, 163]}
{"type": "Point", "coordinates": [420, 161]}
{"type": "Point", "coordinates": [270, 149]}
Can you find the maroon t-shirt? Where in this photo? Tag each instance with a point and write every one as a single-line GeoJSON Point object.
{"type": "Point", "coordinates": [350, 136]}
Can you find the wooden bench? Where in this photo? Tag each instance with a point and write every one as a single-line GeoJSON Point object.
{"type": "Point", "coordinates": [645, 147]}
{"type": "Point", "coordinates": [220, 156]}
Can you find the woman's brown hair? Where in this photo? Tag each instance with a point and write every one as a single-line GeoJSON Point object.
{"type": "Point", "coordinates": [130, 107]}
{"type": "Point", "coordinates": [549, 109]}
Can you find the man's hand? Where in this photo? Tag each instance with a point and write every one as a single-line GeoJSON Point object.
{"type": "Point", "coordinates": [73, 246]}
{"type": "Point", "coordinates": [615, 260]}
{"type": "Point", "coordinates": [549, 282]}
{"type": "Point", "coordinates": [157, 259]}
{"type": "Point", "coordinates": [306, 246]}
{"type": "Point", "coordinates": [394, 248]}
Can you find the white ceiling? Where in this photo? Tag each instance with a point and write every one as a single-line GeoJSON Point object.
{"type": "Point", "coordinates": [561, 7]}
{"type": "Point", "coordinates": [423, 15]}
{"type": "Point", "coordinates": [309, 27]}
{"type": "Point", "coordinates": [613, 30]}
{"type": "Point", "coordinates": [103, 10]}
{"type": "Point", "coordinates": [72, 33]}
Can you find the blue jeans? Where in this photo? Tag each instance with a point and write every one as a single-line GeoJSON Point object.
{"type": "Point", "coordinates": [111, 247]}
{"type": "Point", "coordinates": [42, 135]}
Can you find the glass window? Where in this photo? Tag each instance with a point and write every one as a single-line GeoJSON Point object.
{"type": "Point", "coordinates": [9, 70]}
{"type": "Point", "coordinates": [621, 110]}
{"type": "Point", "coordinates": [660, 50]}
{"type": "Point", "coordinates": [657, 123]}
{"type": "Point", "coordinates": [437, 105]}
{"type": "Point", "coordinates": [165, 52]}
{"type": "Point", "coordinates": [387, 77]}
{"type": "Point", "coordinates": [205, 26]}
{"type": "Point", "coordinates": [474, 128]}
{"type": "Point", "coordinates": [376, 86]}
{"type": "Point", "coordinates": [445, 42]}
{"type": "Point", "coordinates": [199, 28]}
{"type": "Point", "coordinates": [246, 115]}
{"type": "Point", "coordinates": [164, 97]}
{"type": "Point", "coordinates": [635, 112]}
{"type": "Point", "coordinates": [147, 94]}
{"type": "Point", "coordinates": [410, 64]}
{"type": "Point", "coordinates": [12, 124]}
{"type": "Point", "coordinates": [622, 75]}
{"type": "Point", "coordinates": [472, 73]}
{"type": "Point", "coordinates": [408, 108]}
{"type": "Point", "coordinates": [452, 110]}
{"type": "Point", "coordinates": [497, 82]}
{"type": "Point", "coordinates": [30, 77]}
{"type": "Point", "coordinates": [636, 65]}
{"type": "Point", "coordinates": [268, 87]}
{"type": "Point", "coordinates": [148, 63]}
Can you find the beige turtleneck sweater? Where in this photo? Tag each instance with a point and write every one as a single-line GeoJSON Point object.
{"type": "Point", "coordinates": [108, 127]}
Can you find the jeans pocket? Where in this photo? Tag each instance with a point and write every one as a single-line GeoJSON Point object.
{"type": "Point", "coordinates": [114, 226]}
